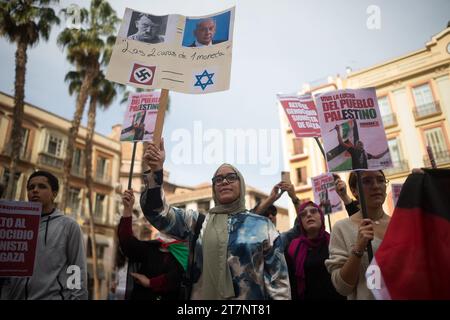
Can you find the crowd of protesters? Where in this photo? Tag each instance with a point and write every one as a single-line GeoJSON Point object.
{"type": "Point", "coordinates": [228, 253]}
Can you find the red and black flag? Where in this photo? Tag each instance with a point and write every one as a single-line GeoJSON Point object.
{"type": "Point", "coordinates": [414, 257]}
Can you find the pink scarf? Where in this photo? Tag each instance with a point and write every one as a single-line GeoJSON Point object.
{"type": "Point", "coordinates": [298, 248]}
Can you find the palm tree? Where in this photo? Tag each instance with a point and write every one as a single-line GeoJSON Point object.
{"type": "Point", "coordinates": [23, 23]}
{"type": "Point", "coordinates": [101, 93]}
{"type": "Point", "coordinates": [86, 49]}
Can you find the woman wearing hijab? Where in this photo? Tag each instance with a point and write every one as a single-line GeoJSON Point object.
{"type": "Point", "coordinates": [306, 255]}
{"type": "Point", "coordinates": [158, 264]}
{"type": "Point", "coordinates": [238, 254]}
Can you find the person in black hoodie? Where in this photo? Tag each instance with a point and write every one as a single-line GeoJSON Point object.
{"type": "Point", "coordinates": [158, 265]}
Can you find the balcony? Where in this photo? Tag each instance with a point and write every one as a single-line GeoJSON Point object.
{"type": "Point", "coordinates": [427, 110]}
{"type": "Point", "coordinates": [389, 120]}
{"type": "Point", "coordinates": [103, 179]}
{"type": "Point", "coordinates": [398, 167]}
{"type": "Point", "coordinates": [77, 171]}
{"type": "Point", "coordinates": [22, 156]}
{"type": "Point", "coordinates": [51, 160]}
{"type": "Point", "coordinates": [441, 157]}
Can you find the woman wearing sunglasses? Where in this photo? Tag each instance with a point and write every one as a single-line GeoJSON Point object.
{"type": "Point", "coordinates": [238, 254]}
{"type": "Point", "coordinates": [348, 260]}
{"type": "Point", "coordinates": [306, 255]}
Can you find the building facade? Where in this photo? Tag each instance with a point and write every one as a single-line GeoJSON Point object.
{"type": "Point", "coordinates": [44, 148]}
{"type": "Point", "coordinates": [414, 99]}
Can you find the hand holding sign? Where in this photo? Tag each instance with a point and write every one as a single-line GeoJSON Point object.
{"type": "Point", "coordinates": [155, 156]}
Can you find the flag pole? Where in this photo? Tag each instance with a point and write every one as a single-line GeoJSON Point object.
{"type": "Point", "coordinates": [321, 148]}
{"type": "Point", "coordinates": [163, 99]}
{"type": "Point", "coordinates": [329, 220]}
{"type": "Point", "coordinates": [362, 202]}
{"type": "Point", "coordinates": [325, 159]}
{"type": "Point", "coordinates": [431, 156]}
{"type": "Point", "coordinates": [130, 177]}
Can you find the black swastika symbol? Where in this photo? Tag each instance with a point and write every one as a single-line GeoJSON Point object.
{"type": "Point", "coordinates": [142, 75]}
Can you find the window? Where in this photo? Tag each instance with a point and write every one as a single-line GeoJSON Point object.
{"type": "Point", "coordinates": [425, 105]}
{"type": "Point", "coordinates": [435, 139]}
{"type": "Point", "coordinates": [100, 205]}
{"type": "Point", "coordinates": [74, 202]}
{"type": "Point", "coordinates": [102, 167]}
{"type": "Point", "coordinates": [54, 145]}
{"type": "Point", "coordinates": [78, 162]}
{"type": "Point", "coordinates": [399, 163]}
{"type": "Point", "coordinates": [5, 180]}
{"type": "Point", "coordinates": [301, 175]}
{"type": "Point", "coordinates": [26, 137]}
{"type": "Point", "coordinates": [423, 95]}
{"type": "Point", "coordinates": [386, 112]}
{"type": "Point", "coordinates": [395, 150]}
{"type": "Point", "coordinates": [298, 145]}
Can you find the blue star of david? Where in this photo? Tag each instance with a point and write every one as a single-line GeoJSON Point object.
{"type": "Point", "coordinates": [199, 82]}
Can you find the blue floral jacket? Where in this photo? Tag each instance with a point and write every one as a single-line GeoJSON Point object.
{"type": "Point", "coordinates": [255, 249]}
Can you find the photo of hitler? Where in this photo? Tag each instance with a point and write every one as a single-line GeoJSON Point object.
{"type": "Point", "coordinates": [357, 151]}
{"type": "Point", "coordinates": [147, 28]}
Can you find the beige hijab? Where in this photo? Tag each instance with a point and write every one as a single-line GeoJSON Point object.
{"type": "Point", "coordinates": [216, 280]}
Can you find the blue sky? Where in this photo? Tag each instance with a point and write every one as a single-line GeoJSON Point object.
{"type": "Point", "coordinates": [278, 45]}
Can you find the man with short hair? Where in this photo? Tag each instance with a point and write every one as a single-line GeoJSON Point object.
{"type": "Point", "coordinates": [147, 30]}
{"type": "Point", "coordinates": [204, 33]}
{"type": "Point", "coordinates": [60, 265]}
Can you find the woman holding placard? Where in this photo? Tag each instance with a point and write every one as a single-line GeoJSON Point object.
{"type": "Point", "coordinates": [348, 260]}
{"type": "Point", "coordinates": [237, 255]}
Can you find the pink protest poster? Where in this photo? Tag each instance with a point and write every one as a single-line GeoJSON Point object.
{"type": "Point", "coordinates": [302, 114]}
{"type": "Point", "coordinates": [396, 189]}
{"type": "Point", "coordinates": [352, 130]}
{"type": "Point", "coordinates": [140, 117]}
{"type": "Point", "coordinates": [19, 228]}
{"type": "Point", "coordinates": [325, 193]}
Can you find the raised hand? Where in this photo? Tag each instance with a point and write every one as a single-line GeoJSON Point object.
{"type": "Point", "coordinates": [128, 202]}
{"type": "Point", "coordinates": [155, 155]}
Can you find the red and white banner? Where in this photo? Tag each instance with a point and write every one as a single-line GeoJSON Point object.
{"type": "Point", "coordinates": [19, 228]}
{"type": "Point", "coordinates": [302, 114]}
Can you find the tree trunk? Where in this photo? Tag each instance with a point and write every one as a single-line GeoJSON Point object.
{"type": "Point", "coordinates": [17, 131]}
{"type": "Point", "coordinates": [89, 184]}
{"type": "Point", "coordinates": [88, 79]}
